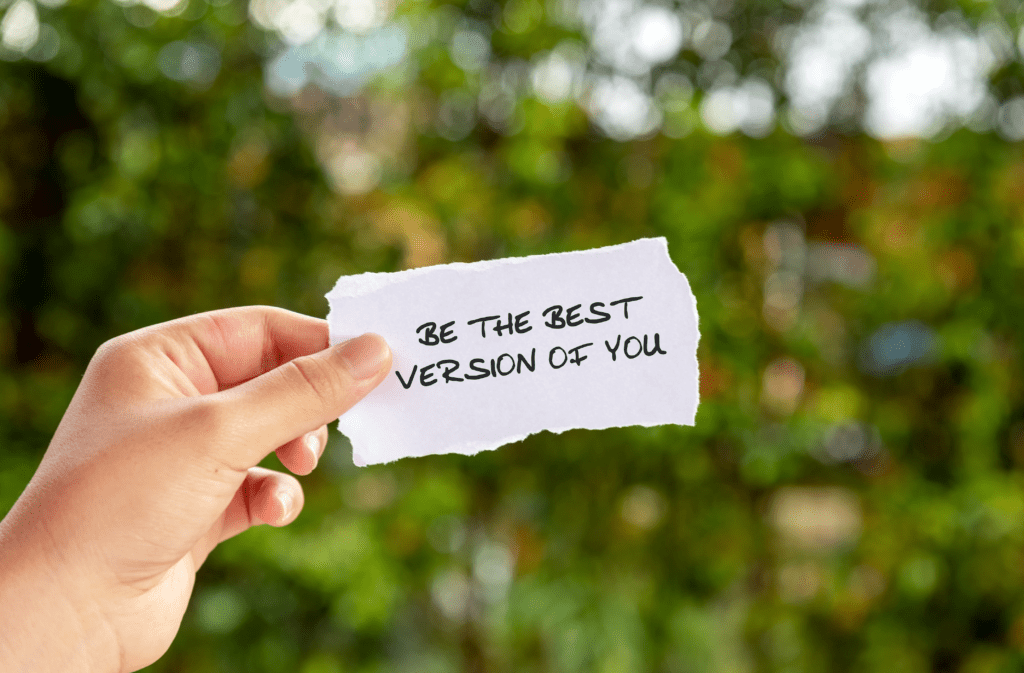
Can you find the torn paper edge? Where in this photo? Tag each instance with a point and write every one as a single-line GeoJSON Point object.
{"type": "Point", "coordinates": [372, 281]}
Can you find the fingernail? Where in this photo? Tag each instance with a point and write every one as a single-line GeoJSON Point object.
{"type": "Point", "coordinates": [364, 356]}
{"type": "Point", "coordinates": [287, 501]}
{"type": "Point", "coordinates": [312, 442]}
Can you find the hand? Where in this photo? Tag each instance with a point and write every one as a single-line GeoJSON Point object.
{"type": "Point", "coordinates": [152, 465]}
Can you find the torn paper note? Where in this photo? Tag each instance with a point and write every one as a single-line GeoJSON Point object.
{"type": "Point", "coordinates": [490, 352]}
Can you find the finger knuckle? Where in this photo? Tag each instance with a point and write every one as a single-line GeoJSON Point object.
{"type": "Point", "coordinates": [112, 350]}
{"type": "Point", "coordinates": [114, 364]}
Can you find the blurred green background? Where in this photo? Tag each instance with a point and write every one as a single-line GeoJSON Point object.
{"type": "Point", "coordinates": [841, 181]}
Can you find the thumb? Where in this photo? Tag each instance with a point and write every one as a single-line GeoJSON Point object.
{"type": "Point", "coordinates": [301, 395]}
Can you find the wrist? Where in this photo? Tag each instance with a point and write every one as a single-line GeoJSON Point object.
{"type": "Point", "coordinates": [48, 621]}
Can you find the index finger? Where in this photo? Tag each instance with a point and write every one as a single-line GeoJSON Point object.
{"type": "Point", "coordinates": [220, 349]}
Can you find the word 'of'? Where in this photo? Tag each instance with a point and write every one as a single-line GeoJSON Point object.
{"type": "Point", "coordinates": [556, 317]}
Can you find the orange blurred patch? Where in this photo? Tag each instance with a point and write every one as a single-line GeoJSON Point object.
{"type": "Point", "coordinates": [829, 225]}
{"type": "Point", "coordinates": [903, 149]}
{"type": "Point", "coordinates": [715, 378]}
{"type": "Point", "coordinates": [151, 279]}
{"type": "Point", "coordinates": [248, 165]}
{"type": "Point", "coordinates": [1015, 634]}
{"type": "Point", "coordinates": [1009, 185]}
{"type": "Point", "coordinates": [404, 536]}
{"type": "Point", "coordinates": [956, 268]}
{"type": "Point", "coordinates": [258, 269]}
{"type": "Point", "coordinates": [751, 240]}
{"type": "Point", "coordinates": [941, 189]}
{"type": "Point", "coordinates": [725, 161]}
{"type": "Point", "coordinates": [853, 603]}
{"type": "Point", "coordinates": [415, 229]}
{"type": "Point", "coordinates": [528, 548]}
{"type": "Point", "coordinates": [859, 191]}
{"type": "Point", "coordinates": [899, 234]}
{"type": "Point", "coordinates": [448, 181]}
{"type": "Point", "coordinates": [529, 220]}
{"type": "Point", "coordinates": [782, 386]}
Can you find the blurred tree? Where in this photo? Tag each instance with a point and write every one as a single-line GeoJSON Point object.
{"type": "Point", "coordinates": [850, 498]}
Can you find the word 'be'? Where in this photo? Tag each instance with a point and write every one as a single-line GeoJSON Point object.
{"type": "Point", "coordinates": [556, 317]}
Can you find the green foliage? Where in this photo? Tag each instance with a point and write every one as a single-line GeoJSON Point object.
{"type": "Point", "coordinates": [850, 498]}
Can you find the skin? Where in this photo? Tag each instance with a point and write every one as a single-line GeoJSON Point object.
{"type": "Point", "coordinates": [153, 465]}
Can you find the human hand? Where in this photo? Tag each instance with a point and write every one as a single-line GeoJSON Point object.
{"type": "Point", "coordinates": [153, 465]}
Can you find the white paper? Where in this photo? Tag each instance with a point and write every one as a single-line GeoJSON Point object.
{"type": "Point", "coordinates": [418, 411]}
